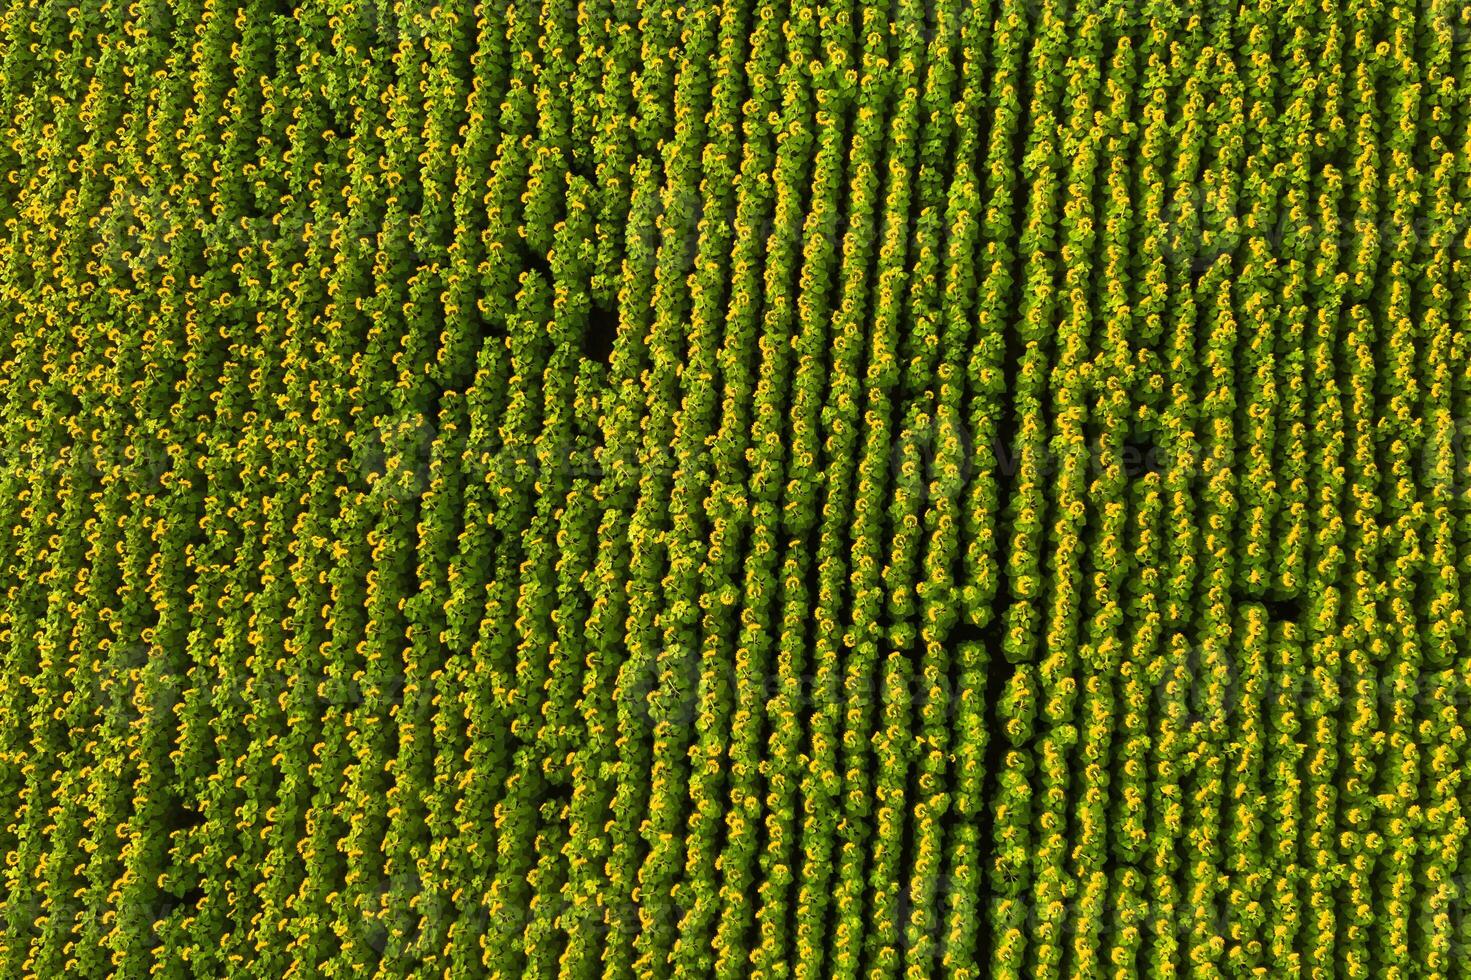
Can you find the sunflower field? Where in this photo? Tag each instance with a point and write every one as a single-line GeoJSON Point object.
{"type": "Point", "coordinates": [762, 488]}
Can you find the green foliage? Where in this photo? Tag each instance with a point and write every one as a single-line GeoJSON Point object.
{"type": "Point", "coordinates": [652, 488]}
